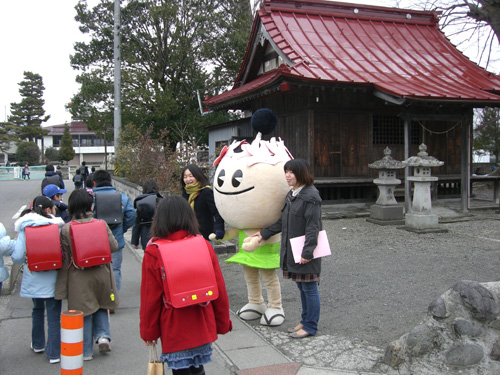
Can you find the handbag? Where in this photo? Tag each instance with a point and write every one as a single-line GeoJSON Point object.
{"type": "Point", "coordinates": [155, 367]}
{"type": "Point", "coordinates": [43, 248]}
{"type": "Point", "coordinates": [90, 243]}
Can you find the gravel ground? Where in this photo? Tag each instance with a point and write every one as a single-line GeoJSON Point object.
{"type": "Point", "coordinates": [379, 281]}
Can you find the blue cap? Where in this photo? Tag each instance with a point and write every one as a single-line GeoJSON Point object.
{"type": "Point", "coordinates": [51, 190]}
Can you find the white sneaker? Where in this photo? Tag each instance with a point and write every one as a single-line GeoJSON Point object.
{"type": "Point", "coordinates": [54, 360]}
{"type": "Point", "coordinates": [88, 358]}
{"type": "Point", "coordinates": [37, 350]}
{"type": "Point", "coordinates": [104, 346]}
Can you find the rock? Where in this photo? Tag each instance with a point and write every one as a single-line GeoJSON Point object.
{"type": "Point", "coordinates": [463, 355]}
{"type": "Point", "coordinates": [495, 324]}
{"type": "Point", "coordinates": [478, 299]}
{"type": "Point", "coordinates": [421, 340]}
{"type": "Point", "coordinates": [394, 355]}
{"type": "Point", "coordinates": [437, 309]}
{"type": "Point", "coordinates": [495, 351]}
{"type": "Point", "coordinates": [464, 327]}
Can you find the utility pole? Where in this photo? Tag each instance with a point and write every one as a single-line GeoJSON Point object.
{"type": "Point", "coordinates": [117, 86]}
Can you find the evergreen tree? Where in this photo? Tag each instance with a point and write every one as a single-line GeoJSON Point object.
{"type": "Point", "coordinates": [28, 115]}
{"type": "Point", "coordinates": [487, 133]}
{"type": "Point", "coordinates": [28, 152]}
{"type": "Point", "coordinates": [170, 51]}
{"type": "Point", "coordinates": [7, 135]}
{"type": "Point", "coordinates": [66, 151]}
{"type": "Point", "coordinates": [51, 154]}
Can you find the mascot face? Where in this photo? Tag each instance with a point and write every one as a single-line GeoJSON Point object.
{"type": "Point", "coordinates": [250, 185]}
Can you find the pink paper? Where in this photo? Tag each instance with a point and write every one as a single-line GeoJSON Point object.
{"type": "Point", "coordinates": [322, 249]}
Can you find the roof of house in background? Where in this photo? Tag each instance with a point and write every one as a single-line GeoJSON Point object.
{"type": "Point", "coordinates": [396, 51]}
{"type": "Point", "coordinates": [74, 128]}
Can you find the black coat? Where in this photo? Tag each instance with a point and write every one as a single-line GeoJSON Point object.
{"type": "Point", "coordinates": [142, 230]}
{"type": "Point", "coordinates": [207, 214]}
{"type": "Point", "coordinates": [300, 216]}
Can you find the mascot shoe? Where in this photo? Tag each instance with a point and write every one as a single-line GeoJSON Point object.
{"type": "Point", "coordinates": [273, 317]}
{"type": "Point", "coordinates": [252, 311]}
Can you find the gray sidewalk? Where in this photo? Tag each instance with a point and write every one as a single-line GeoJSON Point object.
{"type": "Point", "coordinates": [374, 288]}
{"type": "Point", "coordinates": [244, 351]}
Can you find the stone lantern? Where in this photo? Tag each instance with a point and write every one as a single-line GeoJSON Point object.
{"type": "Point", "coordinates": [421, 217]}
{"type": "Point", "coordinates": [386, 210]}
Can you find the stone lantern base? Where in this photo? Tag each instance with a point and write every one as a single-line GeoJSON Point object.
{"type": "Point", "coordinates": [423, 223]}
{"type": "Point", "coordinates": [386, 215]}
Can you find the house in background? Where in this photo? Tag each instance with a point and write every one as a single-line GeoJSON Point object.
{"type": "Point", "coordinates": [348, 80]}
{"type": "Point", "coordinates": [88, 147]}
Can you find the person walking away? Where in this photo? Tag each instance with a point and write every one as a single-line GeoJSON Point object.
{"type": "Point", "coordinates": [26, 172]}
{"type": "Point", "coordinates": [89, 182]}
{"type": "Point", "coordinates": [51, 177]}
{"type": "Point", "coordinates": [54, 193]}
{"type": "Point", "coordinates": [40, 286]}
{"type": "Point", "coordinates": [84, 171]}
{"type": "Point", "coordinates": [59, 172]}
{"type": "Point", "coordinates": [300, 216]}
{"type": "Point", "coordinates": [102, 182]}
{"type": "Point", "coordinates": [196, 190]}
{"type": "Point", "coordinates": [186, 333]}
{"type": "Point", "coordinates": [90, 290]}
{"type": "Point", "coordinates": [145, 207]}
{"type": "Point", "coordinates": [6, 248]}
{"type": "Point", "coordinates": [78, 179]}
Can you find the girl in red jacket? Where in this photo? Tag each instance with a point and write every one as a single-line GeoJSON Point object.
{"type": "Point", "coordinates": [186, 333]}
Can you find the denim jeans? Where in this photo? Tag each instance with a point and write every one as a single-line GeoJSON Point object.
{"type": "Point", "coordinates": [309, 296]}
{"type": "Point", "coordinates": [116, 263]}
{"type": "Point", "coordinates": [53, 307]}
{"type": "Point", "coordinates": [95, 326]}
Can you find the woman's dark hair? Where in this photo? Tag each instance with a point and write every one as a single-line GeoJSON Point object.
{"type": "Point", "coordinates": [174, 214]}
{"type": "Point", "coordinates": [39, 205]}
{"type": "Point", "coordinates": [150, 186]}
{"type": "Point", "coordinates": [197, 173]}
{"type": "Point", "coordinates": [79, 202]}
{"type": "Point", "coordinates": [301, 170]}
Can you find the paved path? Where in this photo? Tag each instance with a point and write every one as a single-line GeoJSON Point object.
{"type": "Point", "coordinates": [375, 287]}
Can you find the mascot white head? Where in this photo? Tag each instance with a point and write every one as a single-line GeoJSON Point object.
{"type": "Point", "coordinates": [249, 183]}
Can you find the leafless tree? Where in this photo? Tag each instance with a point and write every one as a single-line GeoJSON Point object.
{"type": "Point", "coordinates": [469, 24]}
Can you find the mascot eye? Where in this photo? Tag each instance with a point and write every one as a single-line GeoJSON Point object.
{"type": "Point", "coordinates": [221, 178]}
{"type": "Point", "coordinates": [237, 177]}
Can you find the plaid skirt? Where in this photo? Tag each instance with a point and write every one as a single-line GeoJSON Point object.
{"type": "Point", "coordinates": [301, 277]}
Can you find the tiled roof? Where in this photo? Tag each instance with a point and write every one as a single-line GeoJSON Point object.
{"type": "Point", "coordinates": [397, 51]}
{"type": "Point", "coordinates": [74, 128]}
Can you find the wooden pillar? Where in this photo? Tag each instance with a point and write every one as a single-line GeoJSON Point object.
{"type": "Point", "coordinates": [465, 161]}
{"type": "Point", "coordinates": [407, 169]}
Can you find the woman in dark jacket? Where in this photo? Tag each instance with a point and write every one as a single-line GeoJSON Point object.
{"type": "Point", "coordinates": [145, 207]}
{"type": "Point", "coordinates": [300, 216]}
{"type": "Point", "coordinates": [197, 191]}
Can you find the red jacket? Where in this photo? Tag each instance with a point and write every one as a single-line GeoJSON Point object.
{"type": "Point", "coordinates": [183, 328]}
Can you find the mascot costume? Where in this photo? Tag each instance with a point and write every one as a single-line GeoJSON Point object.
{"type": "Point", "coordinates": [249, 192]}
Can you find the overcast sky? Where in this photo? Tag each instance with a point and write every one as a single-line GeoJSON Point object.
{"type": "Point", "coordinates": [38, 36]}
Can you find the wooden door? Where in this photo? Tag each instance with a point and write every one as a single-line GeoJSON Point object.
{"type": "Point", "coordinates": [327, 152]}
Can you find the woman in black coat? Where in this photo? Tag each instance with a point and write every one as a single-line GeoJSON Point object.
{"type": "Point", "coordinates": [300, 216]}
{"type": "Point", "coordinates": [197, 191]}
{"type": "Point", "coordinates": [145, 208]}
